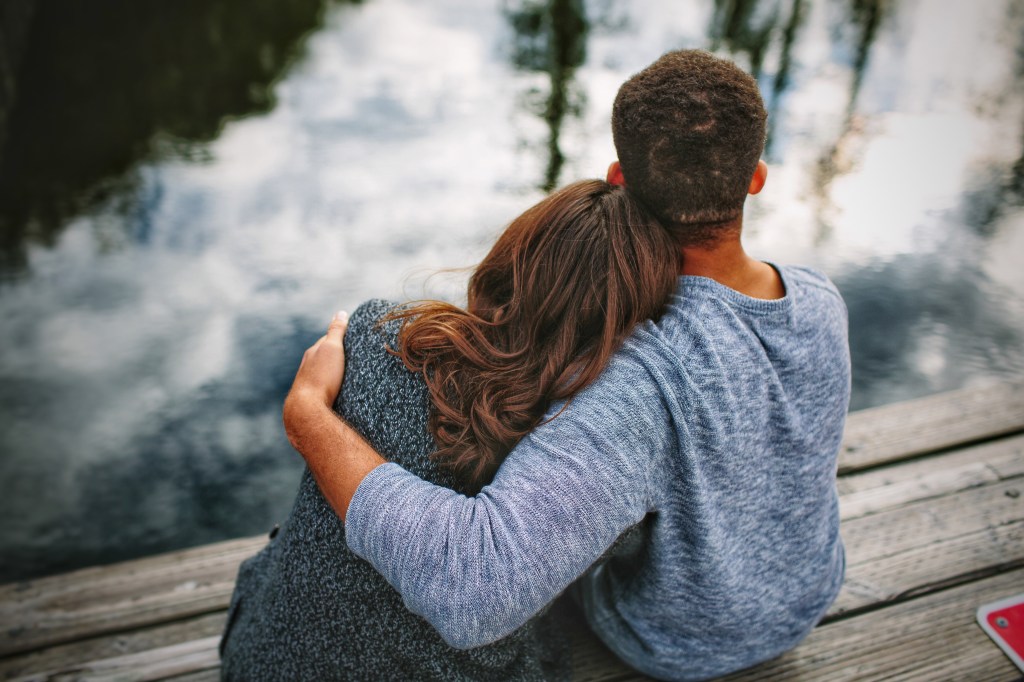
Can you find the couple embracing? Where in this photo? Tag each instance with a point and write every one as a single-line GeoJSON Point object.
{"type": "Point", "coordinates": [630, 411]}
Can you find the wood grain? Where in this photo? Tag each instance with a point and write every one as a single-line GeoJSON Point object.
{"type": "Point", "coordinates": [108, 646]}
{"type": "Point", "coordinates": [119, 597]}
{"type": "Point", "coordinates": [924, 522]}
{"type": "Point", "coordinates": [145, 666]}
{"type": "Point", "coordinates": [892, 486]}
{"type": "Point", "coordinates": [879, 435]}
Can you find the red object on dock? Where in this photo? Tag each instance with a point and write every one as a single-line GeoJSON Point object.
{"type": "Point", "coordinates": [1004, 622]}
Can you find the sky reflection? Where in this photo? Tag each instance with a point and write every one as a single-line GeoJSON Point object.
{"type": "Point", "coordinates": [150, 337]}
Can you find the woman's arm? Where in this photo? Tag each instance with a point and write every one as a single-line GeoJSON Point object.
{"type": "Point", "coordinates": [479, 567]}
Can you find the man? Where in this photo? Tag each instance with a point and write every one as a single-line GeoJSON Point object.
{"type": "Point", "coordinates": [715, 431]}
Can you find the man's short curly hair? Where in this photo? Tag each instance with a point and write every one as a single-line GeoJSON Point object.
{"type": "Point", "coordinates": [689, 131]}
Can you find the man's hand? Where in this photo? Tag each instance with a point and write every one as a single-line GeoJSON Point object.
{"type": "Point", "coordinates": [318, 380]}
{"type": "Point", "coordinates": [323, 364]}
{"type": "Point", "coordinates": [338, 457]}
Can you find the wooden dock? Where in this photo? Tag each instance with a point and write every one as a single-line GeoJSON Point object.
{"type": "Point", "coordinates": [932, 500]}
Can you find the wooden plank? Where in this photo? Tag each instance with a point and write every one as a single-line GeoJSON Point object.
{"type": "Point", "coordinates": [155, 664]}
{"type": "Point", "coordinates": [108, 646]}
{"type": "Point", "coordinates": [893, 486]}
{"type": "Point", "coordinates": [930, 544]}
{"type": "Point", "coordinates": [120, 597]}
{"type": "Point", "coordinates": [892, 432]}
{"type": "Point", "coordinates": [917, 543]}
{"type": "Point", "coordinates": [212, 675]}
{"type": "Point", "coordinates": [888, 580]}
{"type": "Point", "coordinates": [924, 569]}
{"type": "Point", "coordinates": [923, 522]}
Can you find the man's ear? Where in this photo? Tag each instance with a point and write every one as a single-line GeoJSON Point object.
{"type": "Point", "coordinates": [615, 174]}
{"type": "Point", "coordinates": [760, 175]}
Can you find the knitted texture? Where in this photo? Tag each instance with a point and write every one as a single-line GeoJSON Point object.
{"type": "Point", "coordinates": [718, 428]}
{"type": "Point", "coordinates": [307, 608]}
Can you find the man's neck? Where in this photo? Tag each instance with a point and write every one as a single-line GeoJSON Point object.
{"type": "Point", "coordinates": [727, 263]}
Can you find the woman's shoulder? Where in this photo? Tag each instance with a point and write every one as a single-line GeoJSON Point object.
{"type": "Point", "coordinates": [369, 340]}
{"type": "Point", "coordinates": [370, 335]}
{"type": "Point", "coordinates": [369, 319]}
{"type": "Point", "coordinates": [385, 402]}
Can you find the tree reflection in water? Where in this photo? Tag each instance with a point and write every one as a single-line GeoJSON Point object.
{"type": "Point", "coordinates": [551, 37]}
{"type": "Point", "coordinates": [107, 83]}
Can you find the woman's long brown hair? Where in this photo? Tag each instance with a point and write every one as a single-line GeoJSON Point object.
{"type": "Point", "coordinates": [553, 300]}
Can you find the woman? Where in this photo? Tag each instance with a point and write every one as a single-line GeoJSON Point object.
{"type": "Point", "coordinates": [555, 297]}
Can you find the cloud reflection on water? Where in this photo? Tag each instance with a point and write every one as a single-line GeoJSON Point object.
{"type": "Point", "coordinates": [146, 351]}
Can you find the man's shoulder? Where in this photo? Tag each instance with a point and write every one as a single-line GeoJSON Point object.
{"type": "Point", "coordinates": [819, 305]}
{"type": "Point", "coordinates": [809, 280]}
{"type": "Point", "coordinates": [704, 319]}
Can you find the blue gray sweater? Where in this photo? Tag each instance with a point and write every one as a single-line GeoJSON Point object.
{"type": "Point", "coordinates": [716, 428]}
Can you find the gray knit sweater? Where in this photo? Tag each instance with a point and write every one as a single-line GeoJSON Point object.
{"type": "Point", "coordinates": [718, 427]}
{"type": "Point", "coordinates": [307, 608]}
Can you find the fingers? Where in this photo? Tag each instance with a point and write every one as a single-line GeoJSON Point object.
{"type": "Point", "coordinates": [336, 330]}
{"type": "Point", "coordinates": [312, 349]}
{"type": "Point", "coordinates": [335, 334]}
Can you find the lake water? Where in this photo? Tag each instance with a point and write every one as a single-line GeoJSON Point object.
{"type": "Point", "coordinates": [190, 189]}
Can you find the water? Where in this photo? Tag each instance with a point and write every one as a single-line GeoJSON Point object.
{"type": "Point", "coordinates": [211, 180]}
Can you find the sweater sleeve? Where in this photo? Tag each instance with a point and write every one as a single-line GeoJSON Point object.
{"type": "Point", "coordinates": [479, 567]}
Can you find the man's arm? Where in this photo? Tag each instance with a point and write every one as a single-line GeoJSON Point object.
{"type": "Point", "coordinates": [336, 454]}
{"type": "Point", "coordinates": [479, 567]}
